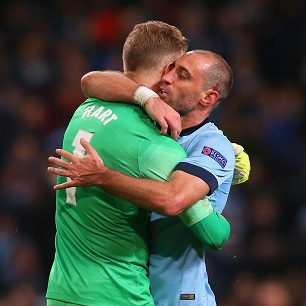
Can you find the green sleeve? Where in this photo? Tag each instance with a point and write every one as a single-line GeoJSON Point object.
{"type": "Point", "coordinates": [196, 212]}
{"type": "Point", "coordinates": [211, 228]}
{"type": "Point", "coordinates": [213, 231]}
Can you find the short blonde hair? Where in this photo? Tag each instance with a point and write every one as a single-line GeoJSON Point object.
{"type": "Point", "coordinates": [151, 43]}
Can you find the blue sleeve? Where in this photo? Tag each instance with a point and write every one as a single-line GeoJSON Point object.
{"type": "Point", "coordinates": [211, 158]}
{"type": "Point", "coordinates": [201, 173]}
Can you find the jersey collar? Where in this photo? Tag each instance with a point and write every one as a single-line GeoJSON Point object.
{"type": "Point", "coordinates": [192, 129]}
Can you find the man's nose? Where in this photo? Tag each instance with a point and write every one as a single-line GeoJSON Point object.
{"type": "Point", "coordinates": [168, 77]}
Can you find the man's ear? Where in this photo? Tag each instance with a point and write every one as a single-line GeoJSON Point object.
{"type": "Point", "coordinates": [209, 97]}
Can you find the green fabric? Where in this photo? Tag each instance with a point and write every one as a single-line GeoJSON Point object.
{"type": "Point", "coordinates": [60, 303]}
{"type": "Point", "coordinates": [196, 212]}
{"type": "Point", "coordinates": [101, 240]}
{"type": "Point", "coordinates": [213, 231]}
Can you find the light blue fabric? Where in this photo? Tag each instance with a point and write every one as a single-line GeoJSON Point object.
{"type": "Point", "coordinates": [177, 260]}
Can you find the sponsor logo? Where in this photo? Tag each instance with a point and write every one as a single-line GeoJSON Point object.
{"type": "Point", "coordinates": [187, 296]}
{"type": "Point", "coordinates": [214, 154]}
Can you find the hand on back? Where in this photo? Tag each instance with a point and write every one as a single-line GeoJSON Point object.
{"type": "Point", "coordinates": [84, 171]}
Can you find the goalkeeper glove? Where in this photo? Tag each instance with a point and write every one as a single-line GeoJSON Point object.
{"type": "Point", "coordinates": [242, 166]}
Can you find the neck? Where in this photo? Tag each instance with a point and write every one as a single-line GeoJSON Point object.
{"type": "Point", "coordinates": [192, 119]}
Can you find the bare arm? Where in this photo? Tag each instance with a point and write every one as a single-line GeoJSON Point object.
{"type": "Point", "coordinates": [109, 85]}
{"type": "Point", "coordinates": [115, 86]}
{"type": "Point", "coordinates": [169, 198]}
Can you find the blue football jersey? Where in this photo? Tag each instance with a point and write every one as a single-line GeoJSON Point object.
{"type": "Point", "coordinates": [177, 261]}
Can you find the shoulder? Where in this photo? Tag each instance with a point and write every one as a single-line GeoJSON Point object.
{"type": "Point", "coordinates": [211, 142]}
{"type": "Point", "coordinates": [217, 134]}
{"type": "Point", "coordinates": [162, 143]}
{"type": "Point", "coordinates": [209, 134]}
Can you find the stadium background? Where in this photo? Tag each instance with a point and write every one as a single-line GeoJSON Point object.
{"type": "Point", "coordinates": [45, 48]}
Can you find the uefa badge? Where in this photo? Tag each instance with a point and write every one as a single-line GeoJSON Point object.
{"type": "Point", "coordinates": [215, 155]}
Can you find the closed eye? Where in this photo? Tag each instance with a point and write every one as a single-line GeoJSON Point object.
{"type": "Point", "coordinates": [183, 73]}
{"type": "Point", "coordinates": [182, 76]}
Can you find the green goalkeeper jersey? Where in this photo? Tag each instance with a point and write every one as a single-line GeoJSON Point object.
{"type": "Point", "coordinates": [101, 240]}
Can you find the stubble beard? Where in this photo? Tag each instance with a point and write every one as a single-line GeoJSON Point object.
{"type": "Point", "coordinates": [184, 105]}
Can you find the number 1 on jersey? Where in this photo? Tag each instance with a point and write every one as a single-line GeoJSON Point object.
{"type": "Point", "coordinates": [79, 151]}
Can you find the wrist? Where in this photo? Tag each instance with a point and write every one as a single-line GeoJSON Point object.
{"type": "Point", "coordinates": [103, 177]}
{"type": "Point", "coordinates": [196, 212]}
{"type": "Point", "coordinates": [142, 94]}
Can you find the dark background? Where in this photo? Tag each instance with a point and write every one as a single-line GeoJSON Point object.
{"type": "Point", "coordinates": [46, 47]}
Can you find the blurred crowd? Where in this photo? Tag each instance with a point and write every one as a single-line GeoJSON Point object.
{"type": "Point", "coordinates": [45, 49]}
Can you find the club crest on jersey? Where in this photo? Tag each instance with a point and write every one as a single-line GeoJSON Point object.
{"type": "Point", "coordinates": [217, 156]}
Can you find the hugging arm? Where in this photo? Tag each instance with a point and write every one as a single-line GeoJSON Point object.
{"type": "Point", "coordinates": [175, 197]}
{"type": "Point", "coordinates": [169, 198]}
{"type": "Point", "coordinates": [115, 86]}
{"type": "Point", "coordinates": [109, 85]}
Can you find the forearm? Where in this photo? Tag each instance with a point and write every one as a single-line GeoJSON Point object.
{"type": "Point", "coordinates": [161, 197]}
{"type": "Point", "coordinates": [115, 86]}
{"type": "Point", "coordinates": [209, 227]}
{"type": "Point", "coordinates": [109, 86]}
{"type": "Point", "coordinates": [164, 197]}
